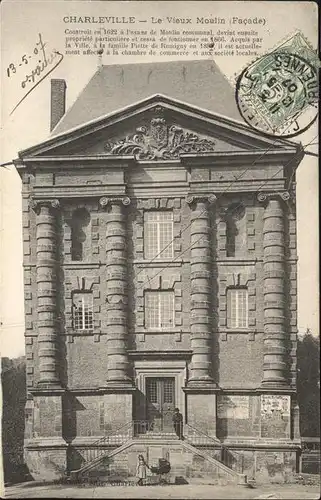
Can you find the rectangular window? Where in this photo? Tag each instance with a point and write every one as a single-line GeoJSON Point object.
{"type": "Point", "coordinates": [237, 308]}
{"type": "Point", "coordinates": [158, 235]}
{"type": "Point", "coordinates": [159, 310]}
{"type": "Point", "coordinates": [82, 308]}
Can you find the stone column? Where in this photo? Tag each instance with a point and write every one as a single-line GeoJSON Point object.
{"type": "Point", "coordinates": [117, 299]}
{"type": "Point", "coordinates": [46, 292]}
{"type": "Point", "coordinates": [201, 291]}
{"type": "Point", "coordinates": [274, 351]}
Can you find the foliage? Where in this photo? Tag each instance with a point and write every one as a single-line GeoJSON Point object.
{"type": "Point", "coordinates": [308, 384]}
{"type": "Point", "coordinates": [14, 399]}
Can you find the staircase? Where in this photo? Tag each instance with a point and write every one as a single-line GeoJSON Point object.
{"type": "Point", "coordinates": [121, 447]}
{"type": "Point", "coordinates": [104, 447]}
{"type": "Point", "coordinates": [214, 448]}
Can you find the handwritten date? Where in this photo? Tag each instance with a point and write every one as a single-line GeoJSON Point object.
{"type": "Point", "coordinates": [44, 64]}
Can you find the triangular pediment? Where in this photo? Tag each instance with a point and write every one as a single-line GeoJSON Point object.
{"type": "Point", "coordinates": [158, 128]}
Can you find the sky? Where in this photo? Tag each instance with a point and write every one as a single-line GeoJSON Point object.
{"type": "Point", "coordinates": [21, 23]}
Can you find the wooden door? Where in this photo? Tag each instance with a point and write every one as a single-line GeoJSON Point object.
{"type": "Point", "coordinates": [160, 395]}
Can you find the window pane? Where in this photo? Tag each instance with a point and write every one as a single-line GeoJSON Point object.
{"type": "Point", "coordinates": [242, 308]}
{"type": "Point", "coordinates": [233, 310]}
{"type": "Point", "coordinates": [168, 391]}
{"type": "Point", "coordinates": [158, 235]}
{"type": "Point", "coordinates": [166, 309]}
{"type": "Point", "coordinates": [151, 390]}
{"type": "Point", "coordinates": [237, 308]}
{"type": "Point", "coordinates": [151, 310]}
{"type": "Point", "coordinates": [159, 310]}
{"type": "Point", "coordinates": [83, 311]}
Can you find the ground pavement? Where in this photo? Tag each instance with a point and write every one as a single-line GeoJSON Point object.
{"type": "Point", "coordinates": [186, 491]}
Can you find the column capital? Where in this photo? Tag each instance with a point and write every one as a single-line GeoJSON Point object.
{"type": "Point", "coordinates": [37, 204]}
{"type": "Point", "coordinates": [264, 196]}
{"type": "Point", "coordinates": [104, 201]}
{"type": "Point", "coordinates": [194, 198]}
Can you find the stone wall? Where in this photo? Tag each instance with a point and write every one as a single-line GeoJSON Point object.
{"type": "Point", "coordinates": [238, 415]}
{"type": "Point", "coordinates": [245, 267]}
{"type": "Point", "coordinates": [265, 416]}
{"type": "Point", "coordinates": [93, 364]}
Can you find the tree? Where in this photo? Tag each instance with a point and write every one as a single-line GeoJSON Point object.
{"type": "Point", "coordinates": [13, 375]}
{"type": "Point", "coordinates": [308, 384]}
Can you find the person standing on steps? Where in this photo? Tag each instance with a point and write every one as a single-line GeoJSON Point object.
{"type": "Point", "coordinates": [178, 423]}
{"type": "Point", "coordinates": [141, 470]}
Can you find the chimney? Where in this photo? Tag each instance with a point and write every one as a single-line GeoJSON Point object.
{"type": "Point", "coordinates": [58, 101]}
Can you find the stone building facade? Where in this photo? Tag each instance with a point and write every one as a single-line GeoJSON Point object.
{"type": "Point", "coordinates": [159, 272]}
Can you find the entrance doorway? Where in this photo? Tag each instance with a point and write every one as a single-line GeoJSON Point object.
{"type": "Point", "coordinates": [160, 395]}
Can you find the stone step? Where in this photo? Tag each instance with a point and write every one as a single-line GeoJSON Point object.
{"type": "Point", "coordinates": [158, 435]}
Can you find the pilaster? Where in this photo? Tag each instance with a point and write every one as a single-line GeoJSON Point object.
{"type": "Point", "coordinates": [46, 272]}
{"type": "Point", "coordinates": [116, 297]}
{"type": "Point", "coordinates": [201, 290]}
{"type": "Point", "coordinates": [275, 350]}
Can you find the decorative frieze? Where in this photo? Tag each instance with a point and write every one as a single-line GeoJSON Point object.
{"type": "Point", "coordinates": [160, 140]}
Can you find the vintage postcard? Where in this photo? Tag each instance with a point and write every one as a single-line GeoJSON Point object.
{"type": "Point", "coordinates": [159, 249]}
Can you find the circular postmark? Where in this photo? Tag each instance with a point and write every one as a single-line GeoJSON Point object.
{"type": "Point", "coordinates": [278, 93]}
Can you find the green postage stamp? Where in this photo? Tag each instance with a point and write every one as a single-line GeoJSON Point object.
{"type": "Point", "coordinates": [278, 93]}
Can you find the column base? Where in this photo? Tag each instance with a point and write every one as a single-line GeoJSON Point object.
{"type": "Point", "coordinates": [120, 384]}
{"type": "Point", "coordinates": [49, 384]}
{"type": "Point", "coordinates": [46, 387]}
{"type": "Point", "coordinates": [274, 384]}
{"type": "Point", "coordinates": [201, 382]}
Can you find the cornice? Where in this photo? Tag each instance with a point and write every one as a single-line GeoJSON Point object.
{"type": "Point", "coordinates": [177, 354]}
{"type": "Point", "coordinates": [118, 161]}
{"type": "Point", "coordinates": [238, 157]}
{"type": "Point", "coordinates": [187, 160]}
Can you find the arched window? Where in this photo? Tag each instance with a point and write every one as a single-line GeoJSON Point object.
{"type": "Point", "coordinates": [235, 229]}
{"type": "Point", "coordinates": [79, 224]}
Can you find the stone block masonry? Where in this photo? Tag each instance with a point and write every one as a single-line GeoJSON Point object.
{"type": "Point", "coordinates": [220, 335]}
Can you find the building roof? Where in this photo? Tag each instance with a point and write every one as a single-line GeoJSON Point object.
{"type": "Point", "coordinates": [200, 83]}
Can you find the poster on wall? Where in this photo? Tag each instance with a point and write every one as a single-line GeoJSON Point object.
{"type": "Point", "coordinates": [235, 407]}
{"type": "Point", "coordinates": [273, 404]}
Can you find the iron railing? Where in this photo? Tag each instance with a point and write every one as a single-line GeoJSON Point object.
{"type": "Point", "coordinates": [144, 428]}
{"type": "Point", "coordinates": [99, 447]}
{"type": "Point", "coordinates": [214, 447]}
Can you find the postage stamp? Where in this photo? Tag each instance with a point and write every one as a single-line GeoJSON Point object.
{"type": "Point", "coordinates": [278, 93]}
